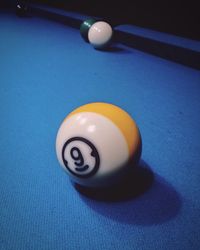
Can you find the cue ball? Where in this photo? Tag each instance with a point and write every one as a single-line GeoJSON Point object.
{"type": "Point", "coordinates": [95, 144]}
{"type": "Point", "coordinates": [84, 28]}
{"type": "Point", "coordinates": [100, 35]}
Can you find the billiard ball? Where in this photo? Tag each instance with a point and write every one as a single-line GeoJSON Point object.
{"type": "Point", "coordinates": [97, 144]}
{"type": "Point", "coordinates": [84, 28]}
{"type": "Point", "coordinates": [100, 35]}
{"type": "Point", "coordinates": [21, 9]}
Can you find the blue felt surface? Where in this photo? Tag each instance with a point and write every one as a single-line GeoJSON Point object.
{"type": "Point", "coordinates": [46, 70]}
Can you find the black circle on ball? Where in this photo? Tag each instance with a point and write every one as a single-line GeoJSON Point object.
{"type": "Point", "coordinates": [94, 153]}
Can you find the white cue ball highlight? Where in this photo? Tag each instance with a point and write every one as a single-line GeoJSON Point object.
{"type": "Point", "coordinates": [100, 35]}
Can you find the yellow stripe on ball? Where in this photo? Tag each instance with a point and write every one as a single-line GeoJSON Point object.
{"type": "Point", "coordinates": [120, 118]}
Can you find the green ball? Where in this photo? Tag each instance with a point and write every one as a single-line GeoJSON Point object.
{"type": "Point", "coordinates": [84, 28]}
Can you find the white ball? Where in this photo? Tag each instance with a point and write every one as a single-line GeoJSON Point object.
{"type": "Point", "coordinates": [100, 34]}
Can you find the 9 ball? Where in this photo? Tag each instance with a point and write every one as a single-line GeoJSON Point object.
{"type": "Point", "coordinates": [95, 144]}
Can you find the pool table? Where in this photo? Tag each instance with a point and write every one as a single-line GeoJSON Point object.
{"type": "Point", "coordinates": [46, 71]}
